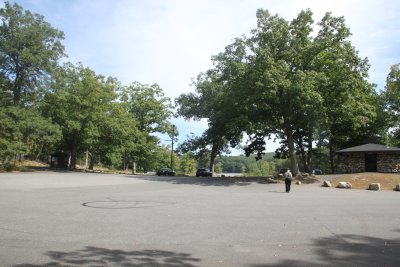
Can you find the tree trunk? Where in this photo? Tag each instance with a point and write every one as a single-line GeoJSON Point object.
{"type": "Point", "coordinates": [293, 162]}
{"type": "Point", "coordinates": [212, 159]}
{"type": "Point", "coordinates": [331, 155]}
{"type": "Point", "coordinates": [87, 159]}
{"type": "Point", "coordinates": [93, 159]}
{"type": "Point", "coordinates": [303, 155]}
{"type": "Point", "coordinates": [39, 152]}
{"type": "Point", "coordinates": [125, 165]}
{"type": "Point", "coordinates": [172, 152]}
{"type": "Point", "coordinates": [17, 87]}
{"type": "Point", "coordinates": [134, 167]}
{"type": "Point", "coordinates": [73, 156]}
{"type": "Point", "coordinates": [309, 152]}
{"type": "Point", "coordinates": [6, 160]}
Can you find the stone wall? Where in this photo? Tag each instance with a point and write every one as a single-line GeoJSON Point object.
{"type": "Point", "coordinates": [355, 162]}
{"type": "Point", "coordinates": [351, 163]}
{"type": "Point", "coordinates": [389, 162]}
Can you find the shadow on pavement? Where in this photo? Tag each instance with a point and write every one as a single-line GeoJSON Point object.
{"type": "Point", "coordinates": [203, 181]}
{"type": "Point", "coordinates": [349, 250]}
{"type": "Point", "coordinates": [339, 250]}
{"type": "Point", "coordinates": [94, 256]}
{"type": "Point", "coordinates": [48, 169]}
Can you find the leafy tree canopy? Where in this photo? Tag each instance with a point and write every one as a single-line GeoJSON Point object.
{"type": "Point", "coordinates": [29, 52]}
{"type": "Point", "coordinates": [148, 104]}
{"type": "Point", "coordinates": [285, 79]}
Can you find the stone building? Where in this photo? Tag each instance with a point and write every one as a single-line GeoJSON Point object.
{"type": "Point", "coordinates": [369, 158]}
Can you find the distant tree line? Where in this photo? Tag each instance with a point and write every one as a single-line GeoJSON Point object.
{"type": "Point", "coordinates": [249, 166]}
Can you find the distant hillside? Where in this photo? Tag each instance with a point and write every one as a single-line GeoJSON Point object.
{"type": "Point", "coordinates": [241, 164]}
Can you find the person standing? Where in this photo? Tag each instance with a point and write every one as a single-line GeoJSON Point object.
{"type": "Point", "coordinates": [288, 180]}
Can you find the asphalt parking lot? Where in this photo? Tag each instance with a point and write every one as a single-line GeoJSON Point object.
{"type": "Point", "coordinates": [88, 219]}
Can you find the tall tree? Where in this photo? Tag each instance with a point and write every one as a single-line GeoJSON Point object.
{"type": "Point", "coordinates": [29, 52]}
{"type": "Point", "coordinates": [148, 105]}
{"type": "Point", "coordinates": [391, 96]}
{"type": "Point", "coordinates": [187, 164]}
{"type": "Point", "coordinates": [280, 83]}
{"type": "Point", "coordinates": [210, 102]}
{"type": "Point", "coordinates": [348, 99]}
{"type": "Point", "coordinates": [198, 147]}
{"type": "Point", "coordinates": [80, 102]}
{"type": "Point", "coordinates": [25, 132]}
{"type": "Point", "coordinates": [288, 81]}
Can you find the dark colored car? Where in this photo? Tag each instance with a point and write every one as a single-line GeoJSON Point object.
{"type": "Point", "coordinates": [166, 172]}
{"type": "Point", "coordinates": [203, 172]}
{"type": "Point", "coordinates": [317, 172]}
{"type": "Point", "coordinates": [283, 170]}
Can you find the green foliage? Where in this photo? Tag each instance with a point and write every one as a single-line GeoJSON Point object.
{"type": "Point", "coordinates": [29, 51]}
{"type": "Point", "coordinates": [162, 158]}
{"type": "Point", "coordinates": [287, 80]}
{"type": "Point", "coordinates": [261, 168]}
{"type": "Point", "coordinates": [81, 102]}
{"type": "Point", "coordinates": [392, 92]}
{"type": "Point", "coordinates": [218, 167]}
{"type": "Point", "coordinates": [94, 115]}
{"type": "Point", "coordinates": [148, 106]}
{"type": "Point", "coordinates": [115, 137]}
{"type": "Point", "coordinates": [113, 125]}
{"type": "Point", "coordinates": [187, 164]}
{"type": "Point", "coordinates": [306, 81]}
{"type": "Point", "coordinates": [210, 102]}
{"type": "Point", "coordinates": [25, 132]}
{"type": "Point", "coordinates": [391, 96]}
{"type": "Point", "coordinates": [250, 165]}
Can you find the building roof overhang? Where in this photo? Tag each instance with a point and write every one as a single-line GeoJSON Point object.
{"type": "Point", "coordinates": [369, 148]}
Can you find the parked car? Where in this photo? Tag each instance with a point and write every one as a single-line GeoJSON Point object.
{"type": "Point", "coordinates": [283, 170]}
{"type": "Point", "coordinates": [317, 172]}
{"type": "Point", "coordinates": [203, 172]}
{"type": "Point", "coordinates": [166, 172]}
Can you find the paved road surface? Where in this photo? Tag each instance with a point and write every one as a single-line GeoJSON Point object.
{"type": "Point", "coordinates": [82, 219]}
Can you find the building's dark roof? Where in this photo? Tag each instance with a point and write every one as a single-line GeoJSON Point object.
{"type": "Point", "coordinates": [370, 148]}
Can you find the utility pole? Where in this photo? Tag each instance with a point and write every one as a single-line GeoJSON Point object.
{"type": "Point", "coordinates": [172, 134]}
{"type": "Point", "coordinates": [172, 146]}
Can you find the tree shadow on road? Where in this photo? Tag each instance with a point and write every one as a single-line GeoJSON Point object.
{"type": "Point", "coordinates": [339, 250]}
{"type": "Point", "coordinates": [203, 181]}
{"type": "Point", "coordinates": [94, 256]}
{"type": "Point", "coordinates": [348, 250]}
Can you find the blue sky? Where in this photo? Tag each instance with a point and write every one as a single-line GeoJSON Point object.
{"type": "Point", "coordinates": [168, 42]}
